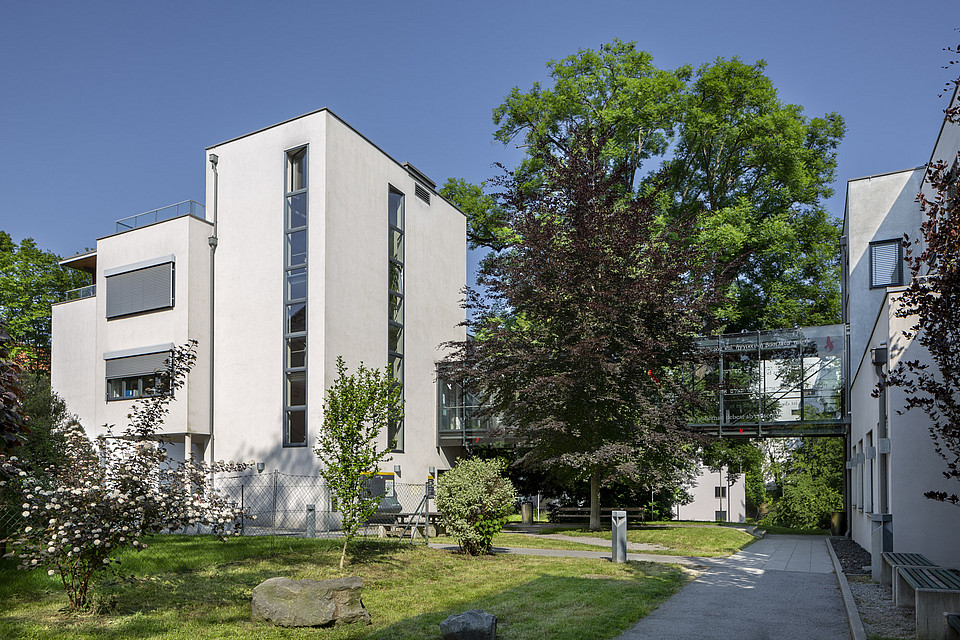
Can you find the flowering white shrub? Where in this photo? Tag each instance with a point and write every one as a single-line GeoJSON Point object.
{"type": "Point", "coordinates": [112, 493]}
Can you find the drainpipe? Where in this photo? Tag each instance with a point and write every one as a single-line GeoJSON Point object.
{"type": "Point", "coordinates": [881, 538]}
{"type": "Point", "coordinates": [212, 241]}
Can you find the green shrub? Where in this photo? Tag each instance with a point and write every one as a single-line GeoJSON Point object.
{"type": "Point", "coordinates": [474, 500]}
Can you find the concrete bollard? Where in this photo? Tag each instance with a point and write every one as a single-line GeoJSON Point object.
{"type": "Point", "coordinates": [619, 536]}
{"type": "Point", "coordinates": [311, 521]}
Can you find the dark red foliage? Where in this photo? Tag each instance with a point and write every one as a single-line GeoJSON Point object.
{"type": "Point", "coordinates": [584, 326]}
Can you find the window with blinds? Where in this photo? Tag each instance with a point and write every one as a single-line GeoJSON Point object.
{"type": "Point", "coordinates": [139, 290]}
{"type": "Point", "coordinates": [138, 376]}
{"type": "Point", "coordinates": [886, 263]}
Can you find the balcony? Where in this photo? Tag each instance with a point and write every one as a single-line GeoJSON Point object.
{"type": "Point", "coordinates": [185, 208]}
{"type": "Point", "coordinates": [88, 291]}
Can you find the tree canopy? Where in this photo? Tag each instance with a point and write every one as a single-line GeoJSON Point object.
{"type": "Point", "coordinates": [720, 140]}
{"type": "Point", "coordinates": [30, 281]}
{"type": "Point", "coordinates": [586, 319]}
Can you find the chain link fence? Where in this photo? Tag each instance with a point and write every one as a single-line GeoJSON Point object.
{"type": "Point", "coordinates": [278, 507]}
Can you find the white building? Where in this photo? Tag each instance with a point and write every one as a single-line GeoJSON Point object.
{"type": "Point", "coordinates": [891, 456]}
{"type": "Point", "coordinates": [321, 245]}
{"type": "Point", "coordinates": [715, 497]}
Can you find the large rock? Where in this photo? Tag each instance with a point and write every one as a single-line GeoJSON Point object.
{"type": "Point", "coordinates": [475, 624]}
{"type": "Point", "coordinates": [309, 603]}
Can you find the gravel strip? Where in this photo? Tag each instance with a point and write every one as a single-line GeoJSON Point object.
{"type": "Point", "coordinates": [881, 618]}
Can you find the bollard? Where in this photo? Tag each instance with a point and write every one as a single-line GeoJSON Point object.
{"type": "Point", "coordinates": [311, 521]}
{"type": "Point", "coordinates": [619, 536]}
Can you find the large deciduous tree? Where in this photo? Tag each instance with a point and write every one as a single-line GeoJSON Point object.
{"type": "Point", "coordinates": [30, 281]}
{"type": "Point", "coordinates": [587, 319]}
{"type": "Point", "coordinates": [932, 299]}
{"type": "Point", "coordinates": [726, 144]}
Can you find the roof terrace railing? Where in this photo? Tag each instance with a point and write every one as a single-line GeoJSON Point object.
{"type": "Point", "coordinates": [185, 208]}
{"type": "Point", "coordinates": [88, 291]}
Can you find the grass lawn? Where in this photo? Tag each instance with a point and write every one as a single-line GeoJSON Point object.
{"type": "Point", "coordinates": [705, 541]}
{"type": "Point", "coordinates": [408, 591]}
{"type": "Point", "coordinates": [530, 541]}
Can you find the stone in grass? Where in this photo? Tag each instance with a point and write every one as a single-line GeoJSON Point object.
{"type": "Point", "coordinates": [475, 624]}
{"type": "Point", "coordinates": [309, 603]}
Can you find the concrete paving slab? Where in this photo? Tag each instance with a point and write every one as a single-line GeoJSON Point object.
{"type": "Point", "coordinates": [779, 588]}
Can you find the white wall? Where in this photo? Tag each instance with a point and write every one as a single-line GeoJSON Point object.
{"type": "Point", "coordinates": [348, 185]}
{"type": "Point", "coordinates": [82, 334]}
{"type": "Point", "coordinates": [705, 503]}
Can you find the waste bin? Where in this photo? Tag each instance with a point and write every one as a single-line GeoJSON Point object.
{"type": "Point", "coordinates": [526, 513]}
{"type": "Point", "coordinates": [838, 523]}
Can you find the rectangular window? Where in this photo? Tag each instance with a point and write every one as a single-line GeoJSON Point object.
{"type": "Point", "coordinates": [721, 516]}
{"type": "Point", "coordinates": [720, 492]}
{"type": "Point", "coordinates": [296, 352]}
{"type": "Point", "coordinates": [295, 433]}
{"type": "Point", "coordinates": [297, 170]}
{"type": "Point", "coordinates": [886, 263]}
{"type": "Point", "coordinates": [137, 376]}
{"type": "Point", "coordinates": [139, 290]}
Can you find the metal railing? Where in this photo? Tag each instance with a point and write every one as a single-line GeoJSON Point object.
{"type": "Point", "coordinates": [185, 208]}
{"type": "Point", "coordinates": [88, 291]}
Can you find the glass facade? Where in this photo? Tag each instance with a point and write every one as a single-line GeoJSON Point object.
{"type": "Point", "coordinates": [295, 300]}
{"type": "Point", "coordinates": [773, 383]}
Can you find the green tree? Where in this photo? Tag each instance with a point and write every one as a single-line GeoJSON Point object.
{"type": "Point", "coordinates": [605, 298]}
{"type": "Point", "coordinates": [474, 500]}
{"type": "Point", "coordinates": [723, 142]}
{"type": "Point", "coordinates": [47, 416]}
{"type": "Point", "coordinates": [357, 408]}
{"type": "Point", "coordinates": [12, 421]}
{"type": "Point", "coordinates": [812, 485]}
{"type": "Point", "coordinates": [30, 281]}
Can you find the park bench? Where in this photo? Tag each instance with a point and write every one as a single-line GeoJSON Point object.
{"type": "Point", "coordinates": [952, 622]}
{"type": "Point", "coordinates": [893, 560]}
{"type": "Point", "coordinates": [932, 592]}
{"type": "Point", "coordinates": [583, 513]}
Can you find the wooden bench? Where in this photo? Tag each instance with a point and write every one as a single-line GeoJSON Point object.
{"type": "Point", "coordinates": [583, 513]}
{"type": "Point", "coordinates": [932, 592]}
{"type": "Point", "coordinates": [890, 561]}
{"type": "Point", "coordinates": [952, 624]}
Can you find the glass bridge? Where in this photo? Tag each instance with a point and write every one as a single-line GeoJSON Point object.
{"type": "Point", "coordinates": [780, 383]}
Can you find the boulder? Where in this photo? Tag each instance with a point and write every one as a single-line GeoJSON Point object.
{"type": "Point", "coordinates": [309, 603]}
{"type": "Point", "coordinates": [475, 624]}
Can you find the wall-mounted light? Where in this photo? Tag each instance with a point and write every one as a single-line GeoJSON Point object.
{"type": "Point", "coordinates": [433, 472]}
{"type": "Point", "coordinates": [396, 470]}
{"type": "Point", "coordinates": [260, 467]}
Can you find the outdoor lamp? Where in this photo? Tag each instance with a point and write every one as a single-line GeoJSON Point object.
{"type": "Point", "coordinates": [396, 470]}
{"type": "Point", "coordinates": [260, 467]}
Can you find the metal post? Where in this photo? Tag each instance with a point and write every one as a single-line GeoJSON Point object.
{"type": "Point", "coordinates": [618, 536]}
{"type": "Point", "coordinates": [311, 521]}
{"type": "Point", "coordinates": [242, 512]}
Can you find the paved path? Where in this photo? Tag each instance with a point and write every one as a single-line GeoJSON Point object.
{"type": "Point", "coordinates": [779, 588]}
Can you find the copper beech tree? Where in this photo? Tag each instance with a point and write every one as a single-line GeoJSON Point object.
{"type": "Point", "coordinates": [583, 326]}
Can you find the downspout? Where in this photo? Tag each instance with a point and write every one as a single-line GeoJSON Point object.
{"type": "Point", "coordinates": [879, 359]}
{"type": "Point", "coordinates": [212, 241]}
{"type": "Point", "coordinates": [881, 535]}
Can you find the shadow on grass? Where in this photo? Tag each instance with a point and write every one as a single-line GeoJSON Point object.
{"type": "Point", "coordinates": [591, 607]}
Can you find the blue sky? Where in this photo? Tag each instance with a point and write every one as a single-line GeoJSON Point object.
{"type": "Point", "coordinates": [106, 107]}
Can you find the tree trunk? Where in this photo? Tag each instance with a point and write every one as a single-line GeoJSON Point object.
{"type": "Point", "coordinates": [595, 501]}
{"type": "Point", "coordinates": [343, 554]}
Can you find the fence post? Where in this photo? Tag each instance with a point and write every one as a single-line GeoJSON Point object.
{"type": "Point", "coordinates": [311, 521]}
{"type": "Point", "coordinates": [275, 480]}
{"type": "Point", "coordinates": [242, 511]}
{"type": "Point", "coordinates": [428, 493]}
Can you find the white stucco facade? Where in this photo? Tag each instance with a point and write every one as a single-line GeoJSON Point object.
{"type": "Point", "coordinates": [884, 439]}
{"type": "Point", "coordinates": [347, 238]}
{"type": "Point", "coordinates": [715, 498]}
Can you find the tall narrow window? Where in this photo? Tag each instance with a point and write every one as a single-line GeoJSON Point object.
{"type": "Point", "coordinates": [395, 263]}
{"type": "Point", "coordinates": [295, 300]}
